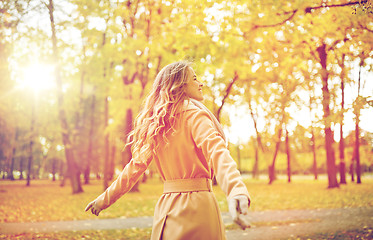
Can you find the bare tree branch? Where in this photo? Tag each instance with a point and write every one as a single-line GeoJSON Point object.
{"type": "Point", "coordinates": [365, 28]}
{"type": "Point", "coordinates": [306, 10]}
{"type": "Point", "coordinates": [227, 92]}
{"type": "Point", "coordinates": [309, 9]}
{"type": "Point", "coordinates": [276, 24]}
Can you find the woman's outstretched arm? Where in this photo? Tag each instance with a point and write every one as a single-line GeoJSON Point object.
{"type": "Point", "coordinates": [123, 184]}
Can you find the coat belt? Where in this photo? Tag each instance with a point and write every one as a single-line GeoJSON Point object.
{"type": "Point", "coordinates": [187, 185]}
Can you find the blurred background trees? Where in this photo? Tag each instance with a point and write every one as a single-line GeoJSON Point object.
{"type": "Point", "coordinates": [74, 74]}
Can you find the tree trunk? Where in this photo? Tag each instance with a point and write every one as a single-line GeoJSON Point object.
{"type": "Point", "coordinates": [357, 131]}
{"type": "Point", "coordinates": [271, 168]}
{"type": "Point", "coordinates": [314, 153]}
{"type": "Point", "coordinates": [128, 153]}
{"type": "Point", "coordinates": [255, 167]}
{"type": "Point", "coordinates": [80, 122]}
{"type": "Point", "coordinates": [21, 161]}
{"type": "Point", "coordinates": [352, 169]}
{"type": "Point", "coordinates": [30, 157]}
{"type": "Point", "coordinates": [11, 177]}
{"type": "Point", "coordinates": [72, 167]}
{"type": "Point", "coordinates": [330, 156]}
{"type": "Point", "coordinates": [54, 168]}
{"type": "Point", "coordinates": [313, 142]}
{"type": "Point", "coordinates": [342, 164]}
{"type": "Point", "coordinates": [258, 140]}
{"type": "Point", "coordinates": [288, 155]}
{"type": "Point", "coordinates": [106, 159]}
{"type": "Point", "coordinates": [239, 157]}
{"type": "Point", "coordinates": [258, 137]}
{"type": "Point", "coordinates": [112, 160]}
{"type": "Point", "coordinates": [41, 168]}
{"type": "Point", "coordinates": [62, 173]}
{"type": "Point", "coordinates": [87, 170]}
{"type": "Point", "coordinates": [106, 124]}
{"type": "Point", "coordinates": [357, 153]}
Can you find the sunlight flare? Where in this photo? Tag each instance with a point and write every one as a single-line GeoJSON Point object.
{"type": "Point", "coordinates": [38, 77]}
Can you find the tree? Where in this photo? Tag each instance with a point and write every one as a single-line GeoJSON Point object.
{"type": "Point", "coordinates": [10, 16]}
{"type": "Point", "coordinates": [90, 138]}
{"type": "Point", "coordinates": [357, 135]}
{"type": "Point", "coordinates": [287, 145]}
{"type": "Point", "coordinates": [31, 144]}
{"type": "Point", "coordinates": [313, 140]}
{"type": "Point", "coordinates": [258, 143]}
{"type": "Point", "coordinates": [72, 168]}
{"type": "Point", "coordinates": [359, 103]}
{"type": "Point", "coordinates": [271, 168]}
{"type": "Point", "coordinates": [326, 41]}
{"type": "Point", "coordinates": [105, 77]}
{"type": "Point", "coordinates": [252, 54]}
{"type": "Point", "coordinates": [342, 164]}
{"type": "Point", "coordinates": [330, 156]}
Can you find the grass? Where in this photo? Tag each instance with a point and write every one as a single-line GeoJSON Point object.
{"type": "Point", "coordinates": [46, 201]}
{"type": "Point", "coordinates": [365, 233]}
{"type": "Point", "coordinates": [309, 194]}
{"type": "Point", "coordinates": [272, 223]}
{"type": "Point", "coordinates": [133, 234]}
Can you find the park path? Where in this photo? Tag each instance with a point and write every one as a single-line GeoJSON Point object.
{"type": "Point", "coordinates": [282, 224]}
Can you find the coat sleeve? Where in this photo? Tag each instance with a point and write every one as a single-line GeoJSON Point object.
{"type": "Point", "coordinates": [123, 184]}
{"type": "Point", "coordinates": [208, 139]}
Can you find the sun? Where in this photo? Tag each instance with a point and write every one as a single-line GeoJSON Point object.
{"type": "Point", "coordinates": [38, 77]}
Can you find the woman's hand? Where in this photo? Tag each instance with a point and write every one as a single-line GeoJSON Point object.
{"type": "Point", "coordinates": [239, 210]}
{"type": "Point", "coordinates": [94, 208]}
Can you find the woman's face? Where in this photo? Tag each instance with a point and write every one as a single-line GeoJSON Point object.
{"type": "Point", "coordinates": [193, 88]}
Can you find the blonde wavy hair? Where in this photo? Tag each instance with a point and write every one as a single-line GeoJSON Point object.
{"type": "Point", "coordinates": [157, 117]}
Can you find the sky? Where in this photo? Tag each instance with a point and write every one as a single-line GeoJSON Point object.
{"type": "Point", "coordinates": [242, 127]}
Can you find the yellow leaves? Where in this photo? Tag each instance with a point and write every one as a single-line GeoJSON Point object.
{"type": "Point", "coordinates": [273, 197]}
{"type": "Point", "coordinates": [46, 201]}
{"type": "Point", "coordinates": [136, 233]}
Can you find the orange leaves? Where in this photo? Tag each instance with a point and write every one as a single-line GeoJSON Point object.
{"type": "Point", "coordinates": [46, 201]}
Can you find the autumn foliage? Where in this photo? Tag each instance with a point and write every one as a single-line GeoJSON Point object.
{"type": "Point", "coordinates": [74, 74]}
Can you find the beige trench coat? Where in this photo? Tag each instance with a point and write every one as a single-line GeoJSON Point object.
{"type": "Point", "coordinates": [196, 150]}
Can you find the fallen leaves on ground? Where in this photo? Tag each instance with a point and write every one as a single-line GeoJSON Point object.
{"type": "Point", "coordinates": [128, 234]}
{"type": "Point", "coordinates": [273, 223]}
{"type": "Point", "coordinates": [47, 201]}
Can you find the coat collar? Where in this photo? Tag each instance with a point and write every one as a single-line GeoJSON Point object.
{"type": "Point", "coordinates": [188, 105]}
{"type": "Point", "coordinates": [196, 105]}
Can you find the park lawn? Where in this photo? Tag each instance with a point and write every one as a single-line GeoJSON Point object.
{"type": "Point", "coordinates": [364, 233]}
{"type": "Point", "coordinates": [46, 201]}
{"type": "Point", "coordinates": [123, 234]}
{"type": "Point", "coordinates": [142, 234]}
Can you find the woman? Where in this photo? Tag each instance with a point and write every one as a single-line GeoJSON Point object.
{"type": "Point", "coordinates": [188, 146]}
